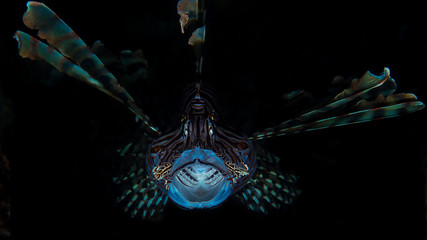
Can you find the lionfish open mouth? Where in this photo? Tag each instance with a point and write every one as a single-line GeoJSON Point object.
{"type": "Point", "coordinates": [198, 173]}
{"type": "Point", "coordinates": [198, 180]}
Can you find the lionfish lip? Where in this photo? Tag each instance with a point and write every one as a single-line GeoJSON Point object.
{"type": "Point", "coordinates": [204, 156]}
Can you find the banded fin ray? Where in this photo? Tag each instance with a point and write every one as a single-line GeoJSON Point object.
{"type": "Point", "coordinates": [368, 98]}
{"type": "Point", "coordinates": [76, 56]}
{"type": "Point", "coordinates": [269, 189]}
{"type": "Point", "coordinates": [137, 194]}
{"type": "Point", "coordinates": [34, 49]}
{"type": "Point", "coordinates": [140, 196]}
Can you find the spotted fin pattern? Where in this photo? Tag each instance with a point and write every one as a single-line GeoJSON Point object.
{"type": "Point", "coordinates": [269, 189]}
{"type": "Point", "coordinates": [71, 55]}
{"type": "Point", "coordinates": [142, 197]}
{"type": "Point", "coordinates": [139, 196]}
{"type": "Point", "coordinates": [368, 98]}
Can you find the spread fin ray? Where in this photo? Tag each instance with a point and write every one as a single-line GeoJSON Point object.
{"type": "Point", "coordinates": [356, 104]}
{"type": "Point", "coordinates": [269, 189]}
{"type": "Point", "coordinates": [139, 195]}
{"type": "Point", "coordinates": [75, 53]}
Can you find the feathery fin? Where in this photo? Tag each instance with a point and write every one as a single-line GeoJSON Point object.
{"type": "Point", "coordinates": [138, 194]}
{"type": "Point", "coordinates": [269, 189]}
{"type": "Point", "coordinates": [141, 196]}
{"type": "Point", "coordinates": [33, 49]}
{"type": "Point", "coordinates": [57, 33]}
{"type": "Point", "coordinates": [386, 104]}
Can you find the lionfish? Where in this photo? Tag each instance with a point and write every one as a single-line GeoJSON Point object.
{"type": "Point", "coordinates": [202, 163]}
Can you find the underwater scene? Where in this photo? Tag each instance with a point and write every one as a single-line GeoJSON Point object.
{"type": "Point", "coordinates": [125, 120]}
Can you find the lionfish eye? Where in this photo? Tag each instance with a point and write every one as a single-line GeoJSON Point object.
{"type": "Point", "coordinates": [156, 149]}
{"type": "Point", "coordinates": [242, 145]}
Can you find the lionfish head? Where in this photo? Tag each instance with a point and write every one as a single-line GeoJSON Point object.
{"type": "Point", "coordinates": [201, 163]}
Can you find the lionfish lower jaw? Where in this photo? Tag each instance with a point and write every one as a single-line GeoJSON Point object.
{"type": "Point", "coordinates": [197, 179]}
{"type": "Point", "coordinates": [199, 185]}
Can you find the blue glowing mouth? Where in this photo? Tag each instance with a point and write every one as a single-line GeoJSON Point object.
{"type": "Point", "coordinates": [198, 180]}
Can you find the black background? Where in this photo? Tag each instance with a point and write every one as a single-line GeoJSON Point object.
{"type": "Point", "coordinates": [358, 181]}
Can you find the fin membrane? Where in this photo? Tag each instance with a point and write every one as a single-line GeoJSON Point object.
{"type": "Point", "coordinates": [69, 54]}
{"type": "Point", "coordinates": [139, 196]}
{"type": "Point", "coordinates": [366, 99]}
{"type": "Point", "coordinates": [269, 189]}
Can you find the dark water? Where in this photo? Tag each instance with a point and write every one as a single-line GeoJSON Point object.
{"type": "Point", "coordinates": [60, 135]}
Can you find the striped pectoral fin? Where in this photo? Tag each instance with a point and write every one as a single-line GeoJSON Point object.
{"type": "Point", "coordinates": [358, 88]}
{"type": "Point", "coordinates": [57, 33]}
{"type": "Point", "coordinates": [385, 104]}
{"type": "Point", "coordinates": [269, 189]}
{"type": "Point", "coordinates": [34, 49]}
{"type": "Point", "coordinates": [358, 117]}
{"type": "Point", "coordinates": [365, 115]}
{"type": "Point", "coordinates": [141, 196]}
